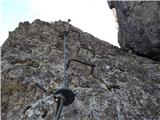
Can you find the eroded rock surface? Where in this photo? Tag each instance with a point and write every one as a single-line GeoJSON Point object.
{"type": "Point", "coordinates": [109, 84]}
{"type": "Point", "coordinates": [139, 26]}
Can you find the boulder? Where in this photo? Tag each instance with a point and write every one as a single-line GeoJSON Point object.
{"type": "Point", "coordinates": [139, 26]}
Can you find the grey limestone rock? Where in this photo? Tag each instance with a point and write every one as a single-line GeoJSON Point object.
{"type": "Point", "coordinates": [109, 83]}
{"type": "Point", "coordinates": [139, 26]}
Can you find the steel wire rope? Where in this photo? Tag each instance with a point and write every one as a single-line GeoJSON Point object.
{"type": "Point", "coordinates": [64, 96]}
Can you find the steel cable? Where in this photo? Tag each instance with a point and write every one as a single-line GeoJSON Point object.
{"type": "Point", "coordinates": [60, 98]}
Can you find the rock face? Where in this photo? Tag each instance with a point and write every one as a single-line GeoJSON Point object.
{"type": "Point", "coordinates": [139, 26]}
{"type": "Point", "coordinates": [109, 84]}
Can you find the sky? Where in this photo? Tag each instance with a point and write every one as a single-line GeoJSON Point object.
{"type": "Point", "coordinates": [92, 16]}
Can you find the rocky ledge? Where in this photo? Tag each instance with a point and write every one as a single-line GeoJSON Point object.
{"type": "Point", "coordinates": [109, 83]}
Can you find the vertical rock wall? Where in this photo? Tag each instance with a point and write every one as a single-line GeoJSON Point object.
{"type": "Point", "coordinates": [109, 84]}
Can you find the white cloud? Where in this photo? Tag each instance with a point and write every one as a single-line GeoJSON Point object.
{"type": "Point", "coordinates": [93, 16]}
